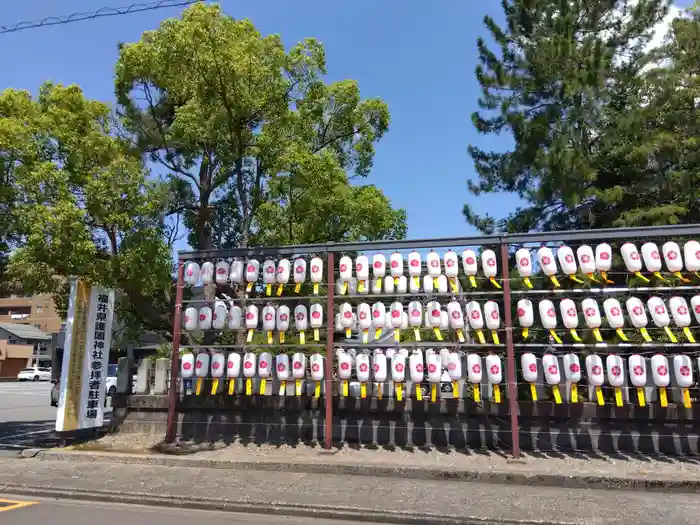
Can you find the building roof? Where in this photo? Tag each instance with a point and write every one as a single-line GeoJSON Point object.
{"type": "Point", "coordinates": [24, 331]}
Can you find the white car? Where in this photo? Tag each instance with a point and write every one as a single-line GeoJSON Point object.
{"type": "Point", "coordinates": [35, 374]}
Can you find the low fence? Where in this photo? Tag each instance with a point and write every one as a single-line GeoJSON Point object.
{"type": "Point", "coordinates": [557, 341]}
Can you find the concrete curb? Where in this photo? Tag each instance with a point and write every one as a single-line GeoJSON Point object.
{"type": "Point", "coordinates": [581, 481]}
{"type": "Point", "coordinates": [310, 511]}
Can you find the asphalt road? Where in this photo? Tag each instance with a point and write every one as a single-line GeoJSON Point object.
{"type": "Point", "coordinates": [27, 419]}
{"type": "Point", "coordinates": [65, 512]}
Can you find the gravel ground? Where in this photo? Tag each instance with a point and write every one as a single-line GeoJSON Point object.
{"type": "Point", "coordinates": [661, 468]}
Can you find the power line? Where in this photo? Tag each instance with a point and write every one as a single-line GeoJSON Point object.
{"type": "Point", "coordinates": [100, 13]}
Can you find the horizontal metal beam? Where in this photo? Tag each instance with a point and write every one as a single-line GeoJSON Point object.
{"type": "Point", "coordinates": [449, 242]}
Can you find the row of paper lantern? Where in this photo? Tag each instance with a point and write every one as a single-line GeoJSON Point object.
{"type": "Point", "coordinates": [613, 314]}
{"type": "Point", "coordinates": [238, 272]}
{"type": "Point", "coordinates": [444, 366]}
{"type": "Point", "coordinates": [235, 318]}
{"type": "Point", "coordinates": [601, 261]}
{"type": "Point", "coordinates": [416, 316]}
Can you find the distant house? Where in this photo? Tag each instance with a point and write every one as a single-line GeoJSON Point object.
{"type": "Point", "coordinates": [22, 346]}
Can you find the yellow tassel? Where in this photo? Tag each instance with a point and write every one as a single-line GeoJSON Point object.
{"type": "Point", "coordinates": [472, 281]}
{"type": "Point", "coordinates": [214, 386]}
{"type": "Point", "coordinates": [596, 334]}
{"type": "Point", "coordinates": [268, 289]}
{"type": "Point", "coordinates": [526, 333]}
{"type": "Point", "coordinates": [435, 282]}
{"type": "Point", "coordinates": [604, 275]}
{"type": "Point", "coordinates": [574, 393]}
{"type": "Point", "coordinates": [263, 386]}
{"type": "Point", "coordinates": [557, 394]}
{"type": "Point", "coordinates": [249, 287]}
{"type": "Point", "coordinates": [377, 333]}
{"type": "Point", "coordinates": [645, 334]}
{"type": "Point", "coordinates": [455, 389]}
{"type": "Point", "coordinates": [688, 334]}
{"type": "Point", "coordinates": [316, 334]}
{"type": "Point", "coordinates": [248, 387]}
{"type": "Point", "coordinates": [302, 338]}
{"type": "Point", "coordinates": [453, 285]}
{"type": "Point", "coordinates": [575, 279]}
{"type": "Point", "coordinates": [283, 388]}
{"type": "Point", "coordinates": [344, 385]}
{"type": "Point", "coordinates": [379, 283]}
{"type": "Point", "coordinates": [574, 335]}
{"type": "Point", "coordinates": [591, 277]}
{"type": "Point", "coordinates": [416, 334]}
{"type": "Point", "coordinates": [433, 392]}
{"type": "Point", "coordinates": [480, 337]}
{"type": "Point", "coordinates": [618, 397]}
{"type": "Point", "coordinates": [670, 334]}
{"type": "Point", "coordinates": [663, 397]}
{"type": "Point", "coordinates": [269, 337]}
{"type": "Point", "coordinates": [527, 282]}
{"type": "Point", "coordinates": [555, 336]}
{"type": "Point", "coordinates": [315, 288]}
{"type": "Point", "coordinates": [494, 282]}
{"type": "Point", "coordinates": [317, 390]}
{"type": "Point", "coordinates": [416, 282]}
{"type": "Point", "coordinates": [348, 333]}
{"type": "Point", "coordinates": [279, 290]}
{"type": "Point", "coordinates": [621, 334]}
{"type": "Point", "coordinates": [363, 391]}
{"type": "Point", "coordinates": [599, 396]}
{"type": "Point", "coordinates": [494, 335]}
{"type": "Point", "coordinates": [361, 286]}
{"type": "Point", "coordinates": [397, 335]}
{"type": "Point", "coordinates": [396, 281]}
{"type": "Point", "coordinates": [398, 388]}
{"type": "Point", "coordinates": [460, 336]}
{"type": "Point", "coordinates": [344, 288]}
{"type": "Point", "coordinates": [297, 387]}
{"type": "Point", "coordinates": [249, 339]}
{"type": "Point", "coordinates": [533, 391]}
{"type": "Point", "coordinates": [297, 288]}
{"type": "Point", "coordinates": [496, 393]}
{"type": "Point", "coordinates": [555, 281]}
{"type": "Point", "coordinates": [379, 390]}
{"type": "Point", "coordinates": [476, 392]}
{"type": "Point", "coordinates": [198, 386]}
{"type": "Point", "coordinates": [282, 338]}
{"type": "Point", "coordinates": [419, 393]}
{"type": "Point", "coordinates": [686, 398]}
{"type": "Point", "coordinates": [438, 334]}
{"type": "Point", "coordinates": [660, 277]}
{"type": "Point", "coordinates": [643, 278]}
{"type": "Point", "coordinates": [681, 277]}
{"type": "Point", "coordinates": [640, 396]}
{"type": "Point", "coordinates": [365, 336]}
{"type": "Point", "coordinates": [231, 386]}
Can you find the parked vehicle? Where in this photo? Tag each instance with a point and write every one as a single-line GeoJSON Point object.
{"type": "Point", "coordinates": [34, 374]}
{"type": "Point", "coordinates": [110, 385]}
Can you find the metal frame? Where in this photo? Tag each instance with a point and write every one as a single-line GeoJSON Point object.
{"type": "Point", "coordinates": [502, 240]}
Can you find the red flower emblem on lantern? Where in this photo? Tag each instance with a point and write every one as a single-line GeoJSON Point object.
{"type": "Point", "coordinates": [394, 263]}
{"type": "Point", "coordinates": [395, 314]}
{"type": "Point", "coordinates": [348, 315]}
{"type": "Point", "coordinates": [685, 371]}
{"type": "Point", "coordinates": [672, 255]}
{"type": "Point", "coordinates": [553, 369]}
{"type": "Point", "coordinates": [435, 313]}
{"type": "Point", "coordinates": [230, 364]}
{"type": "Point", "coordinates": [637, 310]}
{"type": "Point", "coordinates": [494, 369]}
{"type": "Point", "coordinates": [315, 269]}
{"type": "Point", "coordinates": [376, 367]}
{"type": "Point", "coordinates": [398, 367]}
{"type": "Point", "coordinates": [187, 319]}
{"type": "Point", "coordinates": [634, 256]}
{"type": "Point", "coordinates": [297, 365]}
{"type": "Point", "coordinates": [343, 267]}
{"type": "Point", "coordinates": [315, 315]}
{"type": "Point", "coordinates": [585, 259]}
{"type": "Point", "coordinates": [419, 368]}
{"type": "Point", "coordinates": [449, 263]}
{"type": "Point", "coordinates": [546, 260]}
{"type": "Point", "coordinates": [431, 368]}
{"type": "Point", "coordinates": [315, 367]}
{"type": "Point", "coordinates": [476, 369]}
{"type": "Point", "coordinates": [660, 310]}
{"type": "Point", "coordinates": [250, 268]}
{"type": "Point", "coordinates": [524, 261]}
{"type": "Point", "coordinates": [475, 315]}
{"type": "Point", "coordinates": [249, 316]}
{"type": "Point", "coordinates": [638, 370]}
{"type": "Point", "coordinates": [270, 269]}
{"type": "Point", "coordinates": [283, 317]}
{"type": "Point", "coordinates": [697, 255]}
{"type": "Point", "coordinates": [345, 366]}
{"type": "Point", "coordinates": [655, 255]}
{"type": "Point", "coordinates": [682, 310]}
{"type": "Point", "coordinates": [569, 258]}
{"type": "Point", "coordinates": [494, 315]}
{"type": "Point", "coordinates": [456, 314]}
{"type": "Point", "coordinates": [590, 312]}
{"type": "Point", "coordinates": [202, 317]}
{"type": "Point", "coordinates": [376, 314]}
{"type": "Point", "coordinates": [280, 269]}
{"type": "Point", "coordinates": [263, 364]}
{"type": "Point", "coordinates": [248, 365]}
{"type": "Point", "coordinates": [571, 312]}
{"type": "Point", "coordinates": [364, 367]}
{"type": "Point", "coordinates": [434, 263]}
{"type": "Point", "coordinates": [268, 317]}
{"type": "Point", "coordinates": [415, 313]}
{"type": "Point", "coordinates": [300, 317]}
{"type": "Point", "coordinates": [415, 263]}
{"type": "Point", "coordinates": [216, 365]}
{"type": "Point", "coordinates": [470, 260]}
{"type": "Point", "coordinates": [596, 370]}
{"type": "Point", "coordinates": [358, 267]}
{"type": "Point", "coordinates": [604, 256]}
{"type": "Point", "coordinates": [187, 366]}
{"type": "Point", "coordinates": [551, 313]}
{"type": "Point", "coordinates": [614, 311]}
{"type": "Point", "coordinates": [661, 370]}
{"type": "Point", "coordinates": [615, 370]}
{"type": "Point", "coordinates": [299, 269]}
{"type": "Point", "coordinates": [532, 367]}
{"type": "Point", "coordinates": [281, 367]}
{"type": "Point", "coordinates": [451, 366]}
{"type": "Point", "coordinates": [491, 262]}
{"type": "Point", "coordinates": [221, 271]}
{"type": "Point", "coordinates": [574, 368]}
{"type": "Point", "coordinates": [363, 315]}
{"type": "Point", "coordinates": [521, 312]}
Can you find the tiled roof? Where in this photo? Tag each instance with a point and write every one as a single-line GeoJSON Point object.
{"type": "Point", "coordinates": [24, 331]}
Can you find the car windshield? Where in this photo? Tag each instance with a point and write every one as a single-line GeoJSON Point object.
{"type": "Point", "coordinates": [28, 370]}
{"type": "Point", "coordinates": [112, 370]}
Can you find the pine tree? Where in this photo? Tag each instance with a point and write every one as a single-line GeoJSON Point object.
{"type": "Point", "coordinates": [567, 83]}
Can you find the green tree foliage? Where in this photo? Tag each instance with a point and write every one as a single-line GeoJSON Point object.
{"type": "Point", "coordinates": [576, 86]}
{"type": "Point", "coordinates": [256, 147]}
{"type": "Point", "coordinates": [83, 205]}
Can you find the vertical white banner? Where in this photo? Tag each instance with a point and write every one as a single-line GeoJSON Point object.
{"type": "Point", "coordinates": [88, 338]}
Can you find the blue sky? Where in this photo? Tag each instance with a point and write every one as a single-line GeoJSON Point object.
{"type": "Point", "coordinates": [420, 60]}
